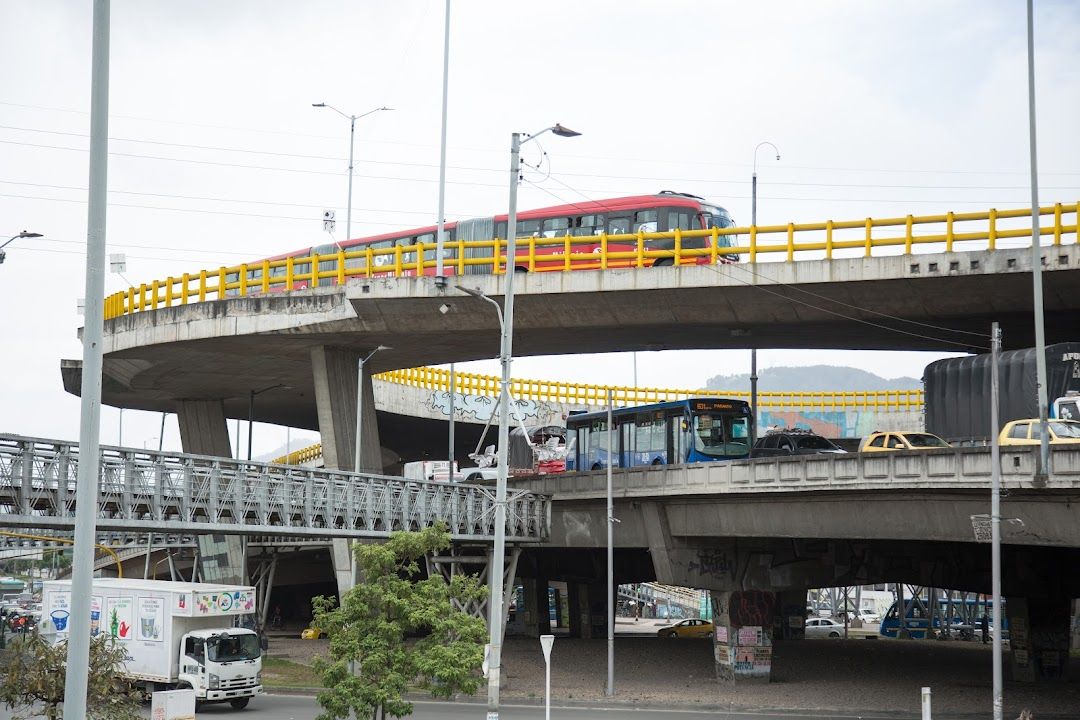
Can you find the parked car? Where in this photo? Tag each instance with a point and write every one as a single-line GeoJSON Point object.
{"type": "Point", "coordinates": [867, 615]}
{"type": "Point", "coordinates": [691, 628]}
{"type": "Point", "coordinates": [784, 441]}
{"type": "Point", "coordinates": [824, 628]}
{"type": "Point", "coordinates": [902, 441]}
{"type": "Point", "coordinates": [1026, 432]}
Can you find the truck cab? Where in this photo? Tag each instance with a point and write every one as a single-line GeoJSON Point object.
{"type": "Point", "coordinates": [221, 665]}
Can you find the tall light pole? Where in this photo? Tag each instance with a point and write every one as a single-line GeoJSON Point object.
{"type": "Point", "coordinates": [352, 135]}
{"type": "Point", "coordinates": [358, 453]}
{"type": "Point", "coordinates": [495, 574]}
{"type": "Point", "coordinates": [251, 410]}
{"type": "Point", "coordinates": [86, 492]}
{"type": "Point", "coordinates": [753, 351]}
{"type": "Point", "coordinates": [1036, 256]}
{"type": "Point", "coordinates": [13, 238]}
{"type": "Point", "coordinates": [995, 520]}
{"type": "Point", "coordinates": [440, 235]}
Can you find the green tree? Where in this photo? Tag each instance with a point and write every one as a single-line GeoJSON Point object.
{"type": "Point", "coordinates": [32, 676]}
{"type": "Point", "coordinates": [369, 629]}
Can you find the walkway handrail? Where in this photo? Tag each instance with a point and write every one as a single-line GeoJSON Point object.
{"type": "Point", "coordinates": [173, 492]}
{"type": "Point", "coordinates": [597, 252]}
{"type": "Point", "coordinates": [430, 378]}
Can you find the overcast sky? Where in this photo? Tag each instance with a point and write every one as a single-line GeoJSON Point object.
{"type": "Point", "coordinates": [217, 157]}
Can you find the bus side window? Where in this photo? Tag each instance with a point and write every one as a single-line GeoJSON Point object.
{"type": "Point", "coordinates": [528, 228]}
{"type": "Point", "coordinates": [645, 220]}
{"type": "Point", "coordinates": [556, 227]}
{"type": "Point", "coordinates": [587, 225]}
{"type": "Point", "coordinates": [618, 226]}
{"type": "Point", "coordinates": [682, 219]}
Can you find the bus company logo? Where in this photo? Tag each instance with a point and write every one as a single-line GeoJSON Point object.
{"type": "Point", "coordinates": [1066, 357]}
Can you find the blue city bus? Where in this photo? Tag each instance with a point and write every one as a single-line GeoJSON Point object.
{"type": "Point", "coordinates": [682, 431]}
{"type": "Point", "coordinates": [965, 619]}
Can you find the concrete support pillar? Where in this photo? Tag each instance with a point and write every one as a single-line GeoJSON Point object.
{"type": "Point", "coordinates": [529, 609]}
{"type": "Point", "coordinates": [742, 641]}
{"type": "Point", "coordinates": [543, 612]}
{"type": "Point", "coordinates": [576, 595]}
{"type": "Point", "coordinates": [1038, 638]}
{"type": "Point", "coordinates": [334, 371]}
{"type": "Point", "coordinates": [203, 430]}
{"type": "Point", "coordinates": [790, 615]}
{"type": "Point", "coordinates": [342, 558]}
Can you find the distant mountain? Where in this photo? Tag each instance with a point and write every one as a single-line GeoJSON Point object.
{"type": "Point", "coordinates": [813, 378]}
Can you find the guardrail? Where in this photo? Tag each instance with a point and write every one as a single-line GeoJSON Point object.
{"type": "Point", "coordinates": [177, 493]}
{"type": "Point", "coordinates": [583, 394]}
{"type": "Point", "coordinates": [599, 252]}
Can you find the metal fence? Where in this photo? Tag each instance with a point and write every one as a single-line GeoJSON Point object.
{"type": "Point", "coordinates": [169, 492]}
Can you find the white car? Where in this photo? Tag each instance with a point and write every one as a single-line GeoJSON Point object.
{"type": "Point", "coordinates": [824, 628]}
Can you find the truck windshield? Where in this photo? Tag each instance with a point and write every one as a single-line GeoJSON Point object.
{"type": "Point", "coordinates": [231, 648]}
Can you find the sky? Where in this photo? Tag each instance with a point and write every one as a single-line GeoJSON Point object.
{"type": "Point", "coordinates": [218, 157]}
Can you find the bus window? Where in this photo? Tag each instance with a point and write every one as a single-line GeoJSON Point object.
{"type": "Point", "coordinates": [720, 434]}
{"type": "Point", "coordinates": [588, 225]}
{"type": "Point", "coordinates": [683, 219]}
{"type": "Point", "coordinates": [645, 220]}
{"type": "Point", "coordinates": [555, 227]}
{"type": "Point", "coordinates": [528, 228]}
{"type": "Point", "coordinates": [649, 440]}
{"type": "Point", "coordinates": [619, 226]}
{"type": "Point", "coordinates": [406, 257]}
{"type": "Point", "coordinates": [330, 264]}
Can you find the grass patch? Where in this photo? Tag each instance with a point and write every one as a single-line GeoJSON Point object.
{"type": "Point", "coordinates": [280, 673]}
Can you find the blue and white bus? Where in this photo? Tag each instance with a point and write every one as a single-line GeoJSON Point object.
{"type": "Point", "coordinates": [681, 431]}
{"type": "Point", "coordinates": [964, 619]}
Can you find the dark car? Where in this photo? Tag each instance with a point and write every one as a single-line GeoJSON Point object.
{"type": "Point", "coordinates": [794, 442]}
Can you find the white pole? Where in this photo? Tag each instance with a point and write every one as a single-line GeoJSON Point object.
{"type": "Point", "coordinates": [610, 561]}
{"type": "Point", "coordinates": [86, 493]}
{"type": "Point", "coordinates": [1036, 257]}
{"type": "Point", "coordinates": [546, 641]}
{"type": "Point", "coordinates": [926, 703]}
{"type": "Point", "coordinates": [348, 204]}
{"type": "Point", "coordinates": [440, 237]}
{"type": "Point", "coordinates": [995, 518]}
{"type": "Point", "coordinates": [450, 439]}
{"type": "Point", "coordinates": [495, 602]}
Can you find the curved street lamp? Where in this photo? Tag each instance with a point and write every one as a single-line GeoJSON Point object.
{"type": "Point", "coordinates": [495, 574]}
{"type": "Point", "coordinates": [352, 135]}
{"type": "Point", "coordinates": [13, 238]}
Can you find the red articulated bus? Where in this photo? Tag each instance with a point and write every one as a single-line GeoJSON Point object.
{"type": "Point", "coordinates": [547, 241]}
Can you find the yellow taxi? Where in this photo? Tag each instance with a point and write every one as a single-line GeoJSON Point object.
{"type": "Point", "coordinates": [691, 628]}
{"type": "Point", "coordinates": [312, 633]}
{"type": "Point", "coordinates": [901, 441]}
{"type": "Point", "coordinates": [1026, 432]}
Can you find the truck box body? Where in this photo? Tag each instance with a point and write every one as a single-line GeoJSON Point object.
{"type": "Point", "coordinates": [149, 617]}
{"type": "Point", "coordinates": [957, 390]}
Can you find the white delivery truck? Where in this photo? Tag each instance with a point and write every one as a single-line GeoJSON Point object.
{"type": "Point", "coordinates": [177, 634]}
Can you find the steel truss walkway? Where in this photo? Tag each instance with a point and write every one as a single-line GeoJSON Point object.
{"type": "Point", "coordinates": [171, 493]}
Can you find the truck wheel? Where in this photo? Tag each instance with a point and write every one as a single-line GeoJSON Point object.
{"type": "Point", "coordinates": [239, 703]}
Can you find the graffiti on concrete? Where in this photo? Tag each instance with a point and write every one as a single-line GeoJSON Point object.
{"type": "Point", "coordinates": [751, 607]}
{"type": "Point", "coordinates": [577, 528]}
{"type": "Point", "coordinates": [481, 407]}
{"type": "Point", "coordinates": [714, 563]}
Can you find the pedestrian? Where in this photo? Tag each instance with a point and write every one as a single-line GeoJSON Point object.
{"type": "Point", "coordinates": [275, 619]}
{"type": "Point", "coordinates": [985, 623]}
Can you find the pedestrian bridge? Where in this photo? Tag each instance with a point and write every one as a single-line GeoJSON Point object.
{"type": "Point", "coordinates": [147, 491]}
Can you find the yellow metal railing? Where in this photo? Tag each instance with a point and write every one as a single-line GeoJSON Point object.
{"type": "Point", "coordinates": [600, 252]}
{"type": "Point", "coordinates": [429, 378]}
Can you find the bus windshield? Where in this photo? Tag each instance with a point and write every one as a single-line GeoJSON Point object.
{"type": "Point", "coordinates": [232, 648]}
{"type": "Point", "coordinates": [721, 434]}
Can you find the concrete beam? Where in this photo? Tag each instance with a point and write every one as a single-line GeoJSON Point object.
{"type": "Point", "coordinates": [342, 559]}
{"type": "Point", "coordinates": [203, 430]}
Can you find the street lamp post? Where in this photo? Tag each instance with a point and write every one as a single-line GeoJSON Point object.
{"type": "Point", "coordinates": [753, 351]}
{"type": "Point", "coordinates": [495, 574]}
{"type": "Point", "coordinates": [1036, 258]}
{"type": "Point", "coordinates": [251, 411]}
{"type": "Point", "coordinates": [358, 452]}
{"type": "Point", "coordinates": [13, 238]}
{"type": "Point", "coordinates": [352, 135]}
